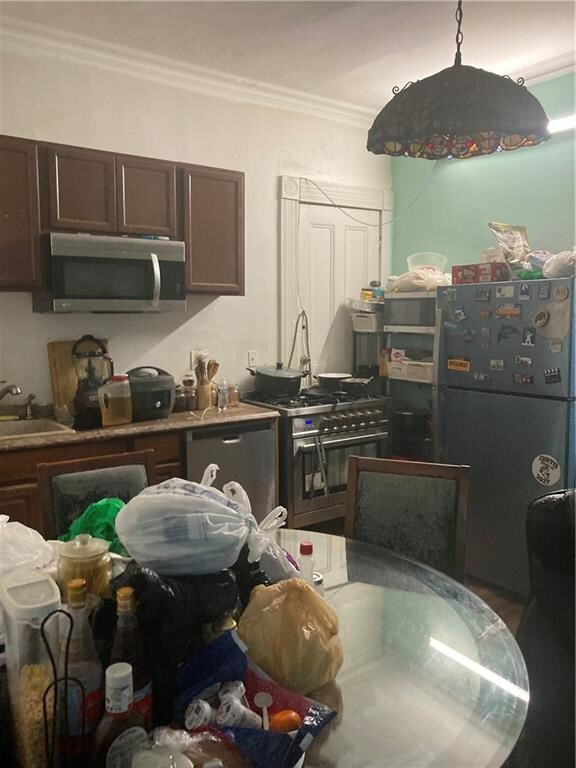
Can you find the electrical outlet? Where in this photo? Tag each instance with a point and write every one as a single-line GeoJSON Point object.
{"type": "Point", "coordinates": [252, 355]}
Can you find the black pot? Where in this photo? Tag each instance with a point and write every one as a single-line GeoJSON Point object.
{"type": "Point", "coordinates": [331, 382]}
{"type": "Point", "coordinates": [358, 387]}
{"type": "Point", "coordinates": [277, 380]}
{"type": "Point", "coordinates": [410, 422]}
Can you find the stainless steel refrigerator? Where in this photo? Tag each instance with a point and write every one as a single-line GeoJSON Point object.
{"type": "Point", "coordinates": [505, 404]}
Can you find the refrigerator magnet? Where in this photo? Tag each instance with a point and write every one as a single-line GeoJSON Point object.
{"type": "Point", "coordinates": [509, 311]}
{"type": "Point", "coordinates": [460, 364]}
{"type": "Point", "coordinates": [541, 318]}
{"type": "Point", "coordinates": [459, 314]}
{"type": "Point", "coordinates": [528, 337]}
{"type": "Point", "coordinates": [469, 335]}
{"type": "Point", "coordinates": [450, 294]}
{"type": "Point", "coordinates": [485, 336]}
{"type": "Point", "coordinates": [482, 294]}
{"type": "Point", "coordinates": [522, 378]}
{"type": "Point", "coordinates": [561, 293]}
{"type": "Point", "coordinates": [555, 345]}
{"type": "Point", "coordinates": [545, 469]}
{"type": "Point", "coordinates": [496, 365]}
{"type": "Point", "coordinates": [504, 291]}
{"type": "Point", "coordinates": [525, 362]}
{"type": "Point", "coordinates": [544, 291]}
{"type": "Point", "coordinates": [506, 332]}
{"type": "Point", "coordinates": [524, 293]}
{"type": "Point", "coordinates": [552, 375]}
{"type": "Point", "coordinates": [485, 314]}
{"type": "Point", "coordinates": [481, 376]}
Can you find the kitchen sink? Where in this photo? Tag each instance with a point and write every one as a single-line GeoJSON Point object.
{"type": "Point", "coordinates": [27, 427]}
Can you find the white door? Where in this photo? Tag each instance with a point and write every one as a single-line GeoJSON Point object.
{"type": "Point", "coordinates": [337, 256]}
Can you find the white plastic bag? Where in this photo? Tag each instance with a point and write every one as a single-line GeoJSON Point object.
{"type": "Point", "coordinates": [20, 545]}
{"type": "Point", "coordinates": [180, 528]}
{"type": "Point", "coordinates": [563, 264]}
{"type": "Point", "coordinates": [273, 559]}
{"type": "Point", "coordinates": [421, 279]}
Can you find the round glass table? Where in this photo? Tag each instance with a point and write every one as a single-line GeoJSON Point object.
{"type": "Point", "coordinates": [432, 677]}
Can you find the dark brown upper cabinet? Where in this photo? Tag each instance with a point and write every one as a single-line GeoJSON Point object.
{"type": "Point", "coordinates": [214, 230]}
{"type": "Point", "coordinates": [146, 196]}
{"type": "Point", "coordinates": [82, 190]}
{"type": "Point", "coordinates": [19, 215]}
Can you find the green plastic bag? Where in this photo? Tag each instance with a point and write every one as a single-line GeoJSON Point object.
{"type": "Point", "coordinates": [99, 520]}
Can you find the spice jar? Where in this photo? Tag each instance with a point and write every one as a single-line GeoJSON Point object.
{"type": "Point", "coordinates": [85, 557]}
{"type": "Point", "coordinates": [233, 396]}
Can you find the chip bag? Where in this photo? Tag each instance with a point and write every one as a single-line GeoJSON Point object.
{"type": "Point", "coordinates": [292, 634]}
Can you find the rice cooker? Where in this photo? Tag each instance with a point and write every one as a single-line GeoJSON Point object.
{"type": "Point", "coordinates": [153, 393]}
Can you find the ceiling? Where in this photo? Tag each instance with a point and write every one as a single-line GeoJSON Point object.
{"type": "Point", "coordinates": [351, 51]}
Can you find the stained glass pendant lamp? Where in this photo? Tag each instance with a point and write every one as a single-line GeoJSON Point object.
{"type": "Point", "coordinates": [459, 112]}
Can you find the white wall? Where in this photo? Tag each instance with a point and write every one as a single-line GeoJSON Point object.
{"type": "Point", "coordinates": [52, 99]}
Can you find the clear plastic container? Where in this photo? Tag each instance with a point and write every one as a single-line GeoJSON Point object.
{"type": "Point", "coordinates": [27, 598]}
{"type": "Point", "coordinates": [427, 259]}
{"type": "Point", "coordinates": [116, 401]}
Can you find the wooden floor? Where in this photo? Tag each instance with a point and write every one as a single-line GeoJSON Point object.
{"type": "Point", "coordinates": [507, 606]}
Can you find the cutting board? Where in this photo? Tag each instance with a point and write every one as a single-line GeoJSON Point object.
{"type": "Point", "coordinates": [62, 373]}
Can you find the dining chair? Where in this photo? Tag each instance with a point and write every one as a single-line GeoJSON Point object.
{"type": "Point", "coordinates": [546, 635]}
{"type": "Point", "coordinates": [66, 488]}
{"type": "Point", "coordinates": [414, 508]}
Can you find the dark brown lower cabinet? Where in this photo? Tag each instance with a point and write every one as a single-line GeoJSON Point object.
{"type": "Point", "coordinates": [19, 497]}
{"type": "Point", "coordinates": [20, 503]}
{"type": "Point", "coordinates": [214, 230]}
{"type": "Point", "coordinates": [19, 215]}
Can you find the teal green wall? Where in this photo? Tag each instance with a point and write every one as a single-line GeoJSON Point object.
{"type": "Point", "coordinates": [532, 186]}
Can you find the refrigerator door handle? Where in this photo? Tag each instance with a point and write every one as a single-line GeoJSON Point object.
{"type": "Point", "coordinates": [435, 391]}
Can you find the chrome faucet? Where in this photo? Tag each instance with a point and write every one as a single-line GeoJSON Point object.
{"type": "Point", "coordinates": [11, 389]}
{"type": "Point", "coordinates": [28, 404]}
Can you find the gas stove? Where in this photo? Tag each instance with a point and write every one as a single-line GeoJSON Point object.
{"type": "Point", "coordinates": [312, 401]}
{"type": "Point", "coordinates": [317, 433]}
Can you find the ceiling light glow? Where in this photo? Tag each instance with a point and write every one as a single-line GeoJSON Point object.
{"type": "Point", "coordinates": [562, 124]}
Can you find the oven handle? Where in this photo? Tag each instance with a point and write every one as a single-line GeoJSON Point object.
{"type": "Point", "coordinates": [157, 281]}
{"type": "Point", "coordinates": [342, 441]}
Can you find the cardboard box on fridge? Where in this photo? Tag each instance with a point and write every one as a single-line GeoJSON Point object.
{"type": "Point", "coordinates": [490, 272]}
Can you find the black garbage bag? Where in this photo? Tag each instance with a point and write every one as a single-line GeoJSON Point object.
{"type": "Point", "coordinates": [171, 612]}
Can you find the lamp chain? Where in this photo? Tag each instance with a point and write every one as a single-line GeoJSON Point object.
{"type": "Point", "coordinates": [459, 35]}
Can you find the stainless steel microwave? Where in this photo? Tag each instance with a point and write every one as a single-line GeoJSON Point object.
{"type": "Point", "coordinates": [412, 312]}
{"type": "Point", "coordinates": [99, 273]}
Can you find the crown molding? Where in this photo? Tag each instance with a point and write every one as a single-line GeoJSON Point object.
{"type": "Point", "coordinates": [29, 38]}
{"type": "Point", "coordinates": [548, 69]}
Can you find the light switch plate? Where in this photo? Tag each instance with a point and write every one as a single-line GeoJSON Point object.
{"type": "Point", "coordinates": [252, 357]}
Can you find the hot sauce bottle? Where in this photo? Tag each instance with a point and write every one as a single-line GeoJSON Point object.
{"type": "Point", "coordinates": [121, 732]}
{"type": "Point", "coordinates": [128, 647]}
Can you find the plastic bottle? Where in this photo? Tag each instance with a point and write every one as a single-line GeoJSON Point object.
{"type": "Point", "coordinates": [85, 666]}
{"type": "Point", "coordinates": [115, 400]}
{"type": "Point", "coordinates": [223, 395]}
{"type": "Point", "coordinates": [121, 732]}
{"type": "Point", "coordinates": [128, 647]}
{"type": "Point", "coordinates": [306, 562]}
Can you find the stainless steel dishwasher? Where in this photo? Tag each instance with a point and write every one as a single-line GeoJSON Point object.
{"type": "Point", "coordinates": [245, 452]}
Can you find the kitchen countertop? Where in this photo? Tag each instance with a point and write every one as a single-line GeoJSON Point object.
{"type": "Point", "coordinates": [176, 422]}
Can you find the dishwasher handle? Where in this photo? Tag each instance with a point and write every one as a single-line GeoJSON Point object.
{"type": "Point", "coordinates": [234, 440]}
{"type": "Point", "coordinates": [228, 433]}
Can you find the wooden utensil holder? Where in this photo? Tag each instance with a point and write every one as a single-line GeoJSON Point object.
{"type": "Point", "coordinates": [204, 392]}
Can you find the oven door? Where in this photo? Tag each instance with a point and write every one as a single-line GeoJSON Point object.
{"type": "Point", "coordinates": [321, 465]}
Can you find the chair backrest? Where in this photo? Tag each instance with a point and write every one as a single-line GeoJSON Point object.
{"type": "Point", "coordinates": [67, 487]}
{"type": "Point", "coordinates": [413, 508]}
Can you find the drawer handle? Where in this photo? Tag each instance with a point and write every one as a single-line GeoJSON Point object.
{"type": "Point", "coordinates": [232, 440]}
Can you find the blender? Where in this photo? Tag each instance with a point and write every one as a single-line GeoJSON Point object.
{"type": "Point", "coordinates": [93, 367]}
